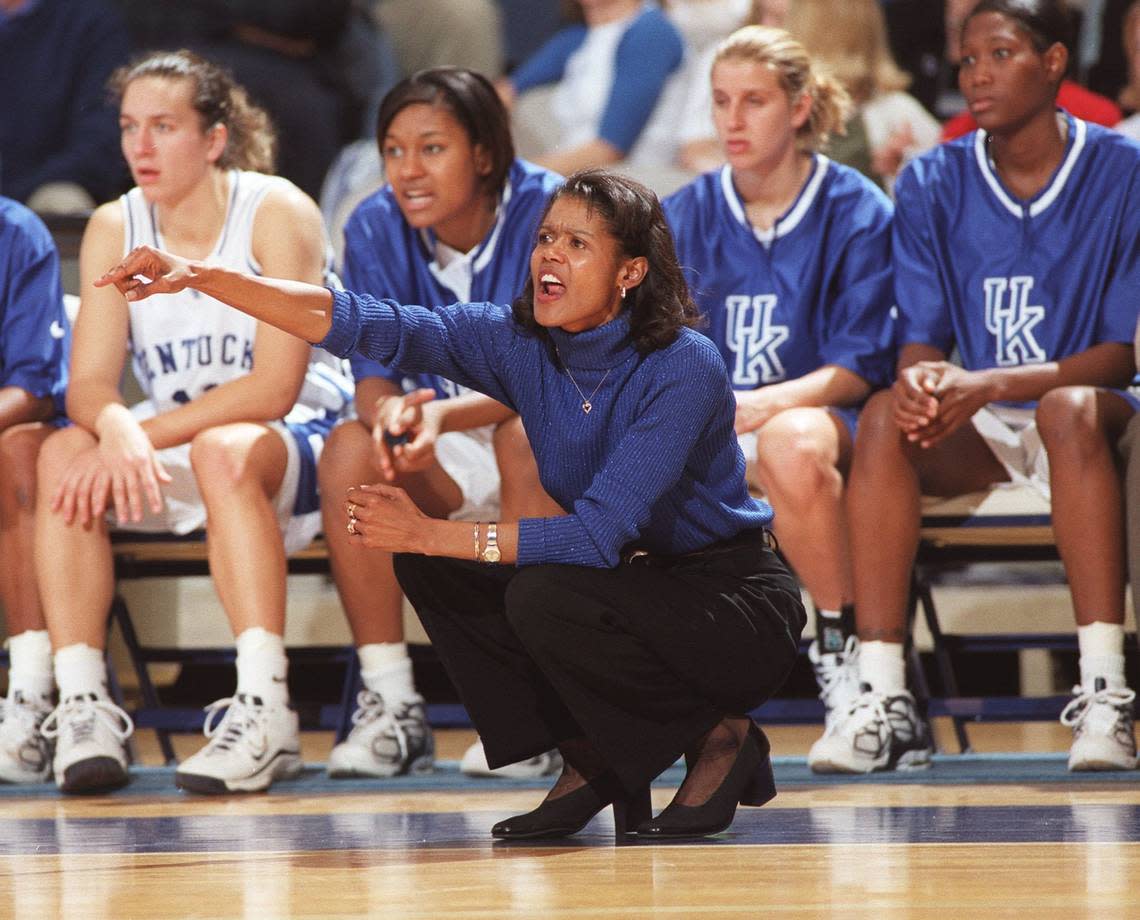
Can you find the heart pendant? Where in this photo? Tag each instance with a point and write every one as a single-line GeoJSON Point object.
{"type": "Point", "coordinates": [587, 406]}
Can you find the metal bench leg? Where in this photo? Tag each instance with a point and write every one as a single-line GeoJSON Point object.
{"type": "Point", "coordinates": [122, 617]}
{"type": "Point", "coordinates": [924, 597]}
{"type": "Point", "coordinates": [917, 673]}
{"type": "Point", "coordinates": [351, 688]}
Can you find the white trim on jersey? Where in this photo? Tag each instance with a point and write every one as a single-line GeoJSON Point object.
{"type": "Point", "coordinates": [468, 265]}
{"type": "Point", "coordinates": [1079, 128]}
{"type": "Point", "coordinates": [791, 218]}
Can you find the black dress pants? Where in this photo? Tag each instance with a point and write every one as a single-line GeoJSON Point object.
{"type": "Point", "coordinates": [641, 659]}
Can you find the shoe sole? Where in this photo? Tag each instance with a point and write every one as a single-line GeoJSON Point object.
{"type": "Point", "coordinates": [95, 774]}
{"type": "Point", "coordinates": [421, 766]}
{"type": "Point", "coordinates": [283, 766]}
{"type": "Point", "coordinates": [1100, 766]}
{"type": "Point", "coordinates": [24, 778]}
{"type": "Point", "coordinates": [908, 761]}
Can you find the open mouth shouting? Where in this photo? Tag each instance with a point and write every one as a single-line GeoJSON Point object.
{"type": "Point", "coordinates": [550, 287]}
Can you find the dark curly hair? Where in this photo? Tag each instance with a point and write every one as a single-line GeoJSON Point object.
{"type": "Point", "coordinates": [661, 305]}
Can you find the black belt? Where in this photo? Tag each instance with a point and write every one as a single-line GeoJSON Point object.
{"type": "Point", "coordinates": [639, 555]}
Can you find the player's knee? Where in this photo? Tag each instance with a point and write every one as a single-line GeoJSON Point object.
{"type": "Point", "coordinates": [877, 417]}
{"type": "Point", "coordinates": [346, 456]}
{"type": "Point", "coordinates": [793, 458]}
{"type": "Point", "coordinates": [1067, 415]}
{"type": "Point", "coordinates": [218, 460]}
{"type": "Point", "coordinates": [19, 448]}
{"type": "Point", "coordinates": [57, 453]}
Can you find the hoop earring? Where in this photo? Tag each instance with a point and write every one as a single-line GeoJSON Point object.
{"type": "Point", "coordinates": [623, 292]}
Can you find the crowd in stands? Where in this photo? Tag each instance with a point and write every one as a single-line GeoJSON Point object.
{"type": "Point", "coordinates": [914, 241]}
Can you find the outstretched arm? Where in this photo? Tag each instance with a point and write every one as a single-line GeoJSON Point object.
{"type": "Point", "coordinates": [303, 310]}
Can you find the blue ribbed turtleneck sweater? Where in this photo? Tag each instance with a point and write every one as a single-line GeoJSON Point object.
{"type": "Point", "coordinates": [655, 462]}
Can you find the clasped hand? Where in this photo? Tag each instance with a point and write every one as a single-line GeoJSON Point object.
{"type": "Point", "coordinates": [385, 517]}
{"type": "Point", "coordinates": [405, 434]}
{"type": "Point", "coordinates": [935, 398]}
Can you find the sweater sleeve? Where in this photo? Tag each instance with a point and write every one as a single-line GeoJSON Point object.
{"type": "Point", "coordinates": [648, 462]}
{"type": "Point", "coordinates": [466, 343]}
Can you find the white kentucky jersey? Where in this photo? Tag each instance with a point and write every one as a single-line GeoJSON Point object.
{"type": "Point", "coordinates": [1012, 282]}
{"type": "Point", "coordinates": [187, 343]}
{"type": "Point", "coordinates": [386, 257]}
{"type": "Point", "coordinates": [813, 290]}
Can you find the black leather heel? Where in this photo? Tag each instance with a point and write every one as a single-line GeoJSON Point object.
{"type": "Point", "coordinates": [749, 782]}
{"type": "Point", "coordinates": [631, 812]}
{"type": "Point", "coordinates": [569, 813]}
{"type": "Point", "coordinates": [761, 788]}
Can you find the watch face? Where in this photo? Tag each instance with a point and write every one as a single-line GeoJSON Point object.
{"type": "Point", "coordinates": [492, 554]}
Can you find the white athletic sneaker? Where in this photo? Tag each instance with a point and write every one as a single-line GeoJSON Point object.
{"type": "Point", "coordinates": [837, 674]}
{"type": "Point", "coordinates": [1101, 720]}
{"type": "Point", "coordinates": [385, 741]}
{"type": "Point", "coordinates": [251, 744]}
{"type": "Point", "coordinates": [474, 763]}
{"type": "Point", "coordinates": [89, 733]}
{"type": "Point", "coordinates": [25, 754]}
{"type": "Point", "coordinates": [877, 732]}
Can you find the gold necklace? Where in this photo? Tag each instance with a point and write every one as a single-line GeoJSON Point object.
{"type": "Point", "coordinates": [587, 401]}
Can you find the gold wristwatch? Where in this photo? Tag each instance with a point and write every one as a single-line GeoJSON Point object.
{"type": "Point", "coordinates": [491, 547]}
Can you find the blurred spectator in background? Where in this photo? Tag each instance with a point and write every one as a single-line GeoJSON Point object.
{"type": "Point", "coordinates": [59, 139]}
{"type": "Point", "coordinates": [1102, 61]}
{"type": "Point", "coordinates": [288, 54]}
{"type": "Point", "coordinates": [1130, 95]}
{"type": "Point", "coordinates": [848, 38]}
{"type": "Point", "coordinates": [917, 37]}
{"type": "Point", "coordinates": [527, 26]}
{"type": "Point", "coordinates": [437, 33]}
{"type": "Point", "coordinates": [617, 93]}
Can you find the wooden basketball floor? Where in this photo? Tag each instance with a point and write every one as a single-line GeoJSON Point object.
{"type": "Point", "coordinates": [1068, 849]}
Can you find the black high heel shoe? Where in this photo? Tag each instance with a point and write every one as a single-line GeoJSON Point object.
{"type": "Point", "coordinates": [748, 782]}
{"type": "Point", "coordinates": [569, 813]}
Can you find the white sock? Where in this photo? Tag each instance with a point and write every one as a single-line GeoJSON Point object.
{"type": "Point", "coordinates": [881, 665]}
{"type": "Point", "coordinates": [386, 669]}
{"type": "Point", "coordinates": [1102, 654]}
{"type": "Point", "coordinates": [80, 669]}
{"type": "Point", "coordinates": [30, 673]}
{"type": "Point", "coordinates": [262, 667]}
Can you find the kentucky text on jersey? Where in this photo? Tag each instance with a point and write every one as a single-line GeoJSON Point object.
{"type": "Point", "coordinates": [177, 356]}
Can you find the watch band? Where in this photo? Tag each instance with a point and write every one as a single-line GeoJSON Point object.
{"type": "Point", "coordinates": [491, 551]}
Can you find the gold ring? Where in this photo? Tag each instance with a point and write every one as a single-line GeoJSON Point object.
{"type": "Point", "coordinates": [352, 510]}
{"type": "Point", "coordinates": [352, 526]}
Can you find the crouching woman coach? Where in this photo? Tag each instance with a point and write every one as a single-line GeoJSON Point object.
{"type": "Point", "coordinates": [646, 622]}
